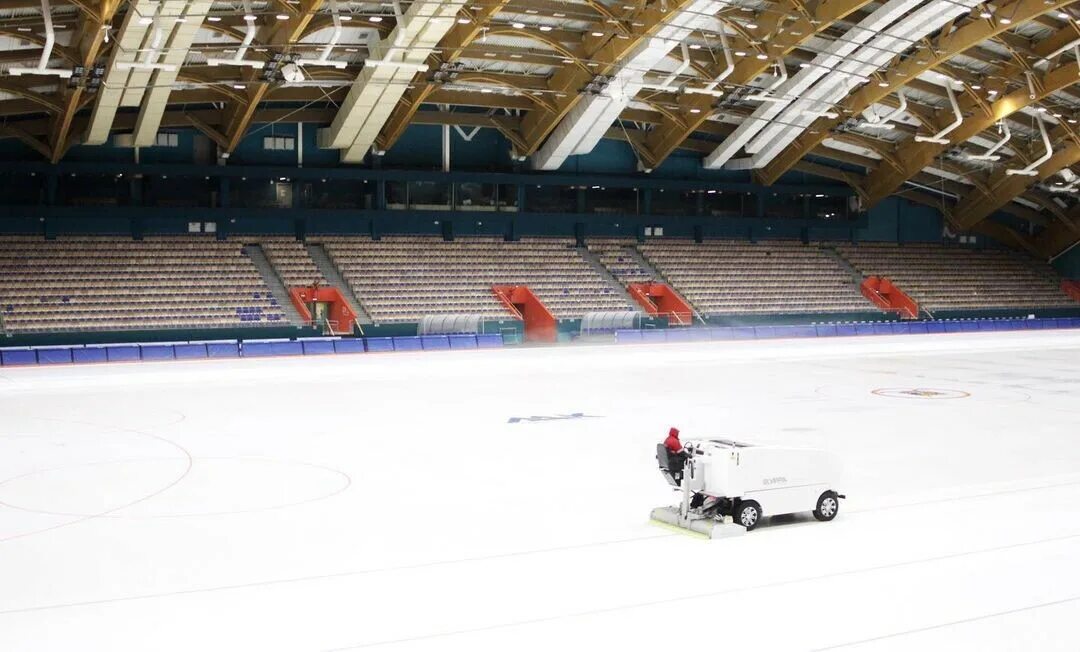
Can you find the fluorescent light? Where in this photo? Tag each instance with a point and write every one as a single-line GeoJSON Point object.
{"type": "Point", "coordinates": [751, 26]}
{"type": "Point", "coordinates": [282, 17]}
{"type": "Point", "coordinates": [545, 28]}
{"type": "Point", "coordinates": [883, 84]}
{"type": "Point", "coordinates": [375, 19]}
{"type": "Point", "coordinates": [597, 34]}
{"type": "Point", "coordinates": [518, 25]}
{"type": "Point", "coordinates": [763, 56]}
{"type": "Point", "coordinates": [214, 19]}
{"type": "Point", "coordinates": [1006, 21]}
{"type": "Point", "coordinates": [464, 21]}
{"type": "Point", "coordinates": [695, 110]}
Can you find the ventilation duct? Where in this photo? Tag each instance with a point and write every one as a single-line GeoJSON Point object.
{"type": "Point", "coordinates": [939, 137]}
{"type": "Point", "coordinates": [117, 78]}
{"type": "Point", "coordinates": [765, 94]}
{"type": "Point", "coordinates": [834, 55]}
{"type": "Point", "coordinates": [1032, 170]}
{"type": "Point", "coordinates": [46, 51]}
{"type": "Point", "coordinates": [587, 122]}
{"type": "Point", "coordinates": [990, 155]}
{"type": "Point", "coordinates": [894, 27]}
{"type": "Point", "coordinates": [335, 36]}
{"type": "Point", "coordinates": [387, 74]}
{"type": "Point", "coordinates": [249, 37]}
{"type": "Point", "coordinates": [155, 98]}
{"type": "Point", "coordinates": [149, 61]}
{"type": "Point", "coordinates": [873, 121]}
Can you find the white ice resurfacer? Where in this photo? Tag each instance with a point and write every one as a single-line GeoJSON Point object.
{"type": "Point", "coordinates": [727, 486]}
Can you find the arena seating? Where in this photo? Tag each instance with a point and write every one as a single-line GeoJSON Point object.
{"type": "Point", "coordinates": [616, 254]}
{"type": "Point", "coordinates": [115, 283]}
{"type": "Point", "coordinates": [403, 278]}
{"type": "Point", "coordinates": [738, 277]}
{"type": "Point", "coordinates": [941, 277]}
{"type": "Point", "coordinates": [291, 261]}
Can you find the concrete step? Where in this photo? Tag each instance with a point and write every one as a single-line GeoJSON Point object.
{"type": "Point", "coordinates": [333, 276]}
{"type": "Point", "coordinates": [855, 274]}
{"type": "Point", "coordinates": [606, 274]}
{"type": "Point", "coordinates": [274, 283]}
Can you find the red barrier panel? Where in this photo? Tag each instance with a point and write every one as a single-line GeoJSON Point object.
{"type": "Point", "coordinates": [1071, 288]}
{"type": "Point", "coordinates": [523, 304]}
{"type": "Point", "coordinates": [887, 296]}
{"type": "Point", "coordinates": [341, 316]}
{"type": "Point", "coordinates": [660, 300]}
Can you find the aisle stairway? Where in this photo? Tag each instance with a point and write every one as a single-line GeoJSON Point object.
{"type": "Point", "coordinates": [335, 279]}
{"type": "Point", "coordinates": [273, 283]}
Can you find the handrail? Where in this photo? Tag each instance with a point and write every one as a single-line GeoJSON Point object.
{"type": "Point", "coordinates": [358, 326]}
{"type": "Point", "coordinates": [328, 326]}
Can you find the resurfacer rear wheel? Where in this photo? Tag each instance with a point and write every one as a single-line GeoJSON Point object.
{"type": "Point", "coordinates": [828, 504]}
{"type": "Point", "coordinates": [748, 515]}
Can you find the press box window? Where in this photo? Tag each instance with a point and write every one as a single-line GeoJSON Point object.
{"type": "Point", "coordinates": [279, 143]}
{"type": "Point", "coordinates": [165, 139]}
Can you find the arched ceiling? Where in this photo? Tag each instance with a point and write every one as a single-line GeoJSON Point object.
{"type": "Point", "coordinates": [944, 102]}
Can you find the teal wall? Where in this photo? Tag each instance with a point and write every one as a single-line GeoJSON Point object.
{"type": "Point", "coordinates": [1069, 264]}
{"type": "Point", "coordinates": [243, 205]}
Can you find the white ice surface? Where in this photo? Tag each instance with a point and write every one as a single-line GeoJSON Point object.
{"type": "Point", "coordinates": [386, 501]}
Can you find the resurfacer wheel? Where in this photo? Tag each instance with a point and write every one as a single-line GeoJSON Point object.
{"type": "Point", "coordinates": [749, 515]}
{"type": "Point", "coordinates": [828, 504]}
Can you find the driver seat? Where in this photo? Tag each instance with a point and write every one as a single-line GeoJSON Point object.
{"type": "Point", "coordinates": [664, 459]}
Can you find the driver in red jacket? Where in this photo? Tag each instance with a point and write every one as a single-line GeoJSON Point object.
{"type": "Point", "coordinates": [676, 454]}
{"type": "Point", "coordinates": [672, 442]}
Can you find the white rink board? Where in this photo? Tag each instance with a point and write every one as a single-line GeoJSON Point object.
{"type": "Point", "coordinates": [389, 500]}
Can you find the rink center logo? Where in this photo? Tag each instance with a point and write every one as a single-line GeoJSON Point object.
{"type": "Point", "coordinates": [920, 392]}
{"type": "Point", "coordinates": [554, 417]}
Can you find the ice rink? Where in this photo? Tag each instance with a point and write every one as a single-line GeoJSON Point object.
{"type": "Point", "coordinates": [499, 500]}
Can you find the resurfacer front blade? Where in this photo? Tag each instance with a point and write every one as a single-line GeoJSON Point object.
{"type": "Point", "coordinates": [709, 528]}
